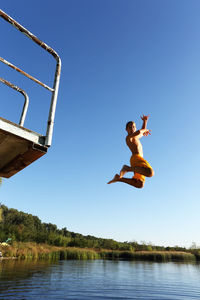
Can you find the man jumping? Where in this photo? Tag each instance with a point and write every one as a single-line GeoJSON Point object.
{"type": "Point", "coordinates": [139, 166]}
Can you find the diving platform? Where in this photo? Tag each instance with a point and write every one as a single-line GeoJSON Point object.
{"type": "Point", "coordinates": [19, 147]}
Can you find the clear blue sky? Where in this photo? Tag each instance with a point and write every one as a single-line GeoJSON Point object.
{"type": "Point", "coordinates": [120, 59]}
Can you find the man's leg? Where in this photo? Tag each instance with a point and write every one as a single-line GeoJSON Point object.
{"type": "Point", "coordinates": [146, 171]}
{"type": "Point", "coordinates": [131, 181]}
{"type": "Point", "coordinates": [124, 170]}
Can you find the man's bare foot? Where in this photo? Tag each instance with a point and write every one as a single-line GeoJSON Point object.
{"type": "Point", "coordinates": [115, 179]}
{"type": "Point", "coordinates": [123, 171]}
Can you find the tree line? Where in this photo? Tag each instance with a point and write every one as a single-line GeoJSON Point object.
{"type": "Point", "coordinates": [24, 227]}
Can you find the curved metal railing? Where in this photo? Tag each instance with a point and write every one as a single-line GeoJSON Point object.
{"type": "Point", "coordinates": [26, 102]}
{"type": "Point", "coordinates": [54, 90]}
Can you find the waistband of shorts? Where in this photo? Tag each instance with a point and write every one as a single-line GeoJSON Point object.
{"type": "Point", "coordinates": [136, 155]}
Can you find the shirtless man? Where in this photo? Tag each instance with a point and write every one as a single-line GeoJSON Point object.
{"type": "Point", "coordinates": [139, 166]}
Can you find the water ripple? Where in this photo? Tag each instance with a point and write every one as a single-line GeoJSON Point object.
{"type": "Point", "coordinates": [85, 280]}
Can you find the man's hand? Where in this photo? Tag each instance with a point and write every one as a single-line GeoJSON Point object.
{"type": "Point", "coordinates": [147, 132]}
{"type": "Point", "coordinates": [144, 118]}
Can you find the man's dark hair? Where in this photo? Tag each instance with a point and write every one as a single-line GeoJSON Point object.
{"type": "Point", "coordinates": [130, 122]}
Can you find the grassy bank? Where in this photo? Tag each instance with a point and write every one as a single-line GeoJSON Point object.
{"type": "Point", "coordinates": [157, 256]}
{"type": "Point", "coordinates": [44, 251]}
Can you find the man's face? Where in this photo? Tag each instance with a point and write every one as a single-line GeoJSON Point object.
{"type": "Point", "coordinates": [131, 128]}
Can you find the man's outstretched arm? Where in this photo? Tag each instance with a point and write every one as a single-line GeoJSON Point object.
{"type": "Point", "coordinates": [140, 133]}
{"type": "Point", "coordinates": [144, 119]}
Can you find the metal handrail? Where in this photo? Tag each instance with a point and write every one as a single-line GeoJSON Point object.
{"type": "Point", "coordinates": [25, 74]}
{"type": "Point", "coordinates": [26, 102]}
{"type": "Point", "coordinates": [50, 123]}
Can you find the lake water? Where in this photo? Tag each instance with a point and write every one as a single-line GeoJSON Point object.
{"type": "Point", "coordinates": [98, 279]}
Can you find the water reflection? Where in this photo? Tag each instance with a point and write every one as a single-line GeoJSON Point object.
{"type": "Point", "coordinates": [14, 269]}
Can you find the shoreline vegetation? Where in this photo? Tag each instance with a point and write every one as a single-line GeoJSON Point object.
{"type": "Point", "coordinates": [29, 238]}
{"type": "Point", "coordinates": [33, 251]}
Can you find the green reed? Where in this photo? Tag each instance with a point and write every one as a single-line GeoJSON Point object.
{"type": "Point", "coordinates": [33, 251]}
{"type": "Point", "coordinates": [162, 256]}
{"type": "Point", "coordinates": [79, 254]}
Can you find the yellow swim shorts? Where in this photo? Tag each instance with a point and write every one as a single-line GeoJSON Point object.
{"type": "Point", "coordinates": [138, 161]}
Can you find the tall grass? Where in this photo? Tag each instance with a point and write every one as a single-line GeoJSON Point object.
{"type": "Point", "coordinates": [158, 256]}
{"type": "Point", "coordinates": [35, 251]}
{"type": "Point", "coordinates": [44, 251]}
{"type": "Point", "coordinates": [79, 254]}
{"type": "Point", "coordinates": [30, 251]}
